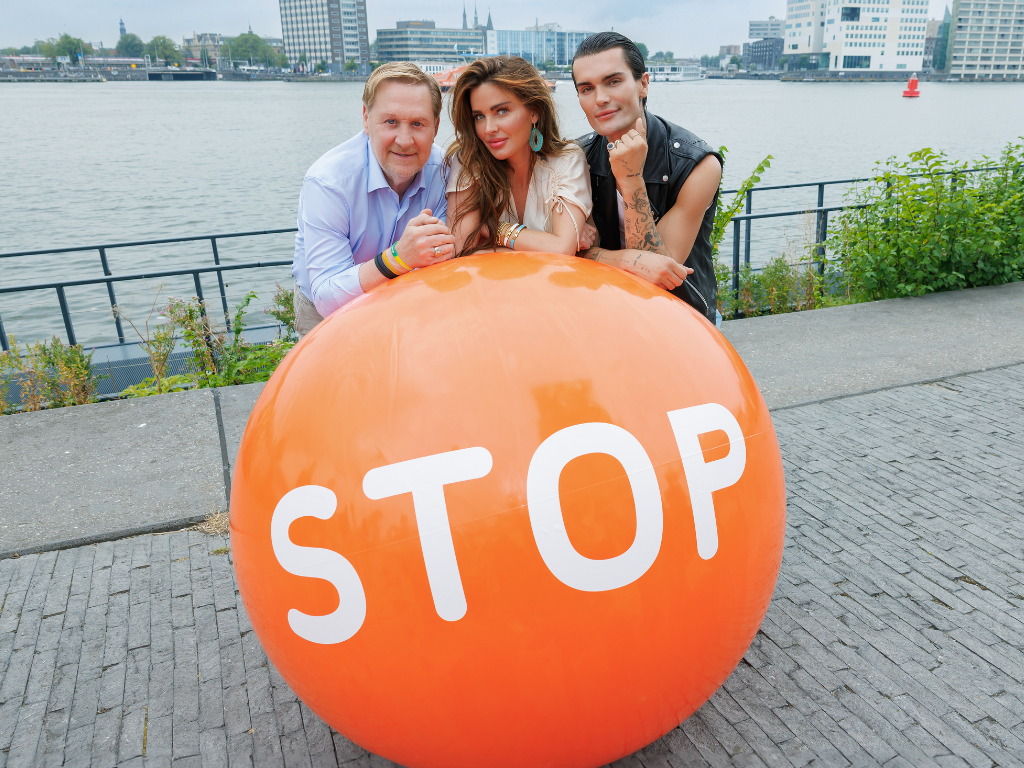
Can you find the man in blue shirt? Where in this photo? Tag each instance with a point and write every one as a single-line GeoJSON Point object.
{"type": "Point", "coordinates": [374, 207]}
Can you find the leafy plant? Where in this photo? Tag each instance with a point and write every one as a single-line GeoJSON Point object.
{"type": "Point", "coordinates": [724, 215]}
{"type": "Point", "coordinates": [155, 386]}
{"type": "Point", "coordinates": [726, 212]}
{"type": "Point", "coordinates": [158, 343]}
{"type": "Point", "coordinates": [220, 361]}
{"type": "Point", "coordinates": [932, 224]}
{"type": "Point", "coordinates": [282, 309]}
{"type": "Point", "coordinates": [48, 374]}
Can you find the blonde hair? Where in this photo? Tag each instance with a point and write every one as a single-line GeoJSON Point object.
{"type": "Point", "coordinates": [402, 72]}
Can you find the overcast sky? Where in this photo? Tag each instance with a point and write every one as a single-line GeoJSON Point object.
{"type": "Point", "coordinates": [685, 27]}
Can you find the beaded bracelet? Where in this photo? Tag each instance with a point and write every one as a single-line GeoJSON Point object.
{"type": "Point", "coordinates": [382, 266]}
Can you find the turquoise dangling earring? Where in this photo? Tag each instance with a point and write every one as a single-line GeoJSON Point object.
{"type": "Point", "coordinates": [536, 139]}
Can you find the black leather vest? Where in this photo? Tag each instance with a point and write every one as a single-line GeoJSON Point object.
{"type": "Point", "coordinates": [672, 154]}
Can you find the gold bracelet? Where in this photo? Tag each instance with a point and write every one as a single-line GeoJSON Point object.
{"type": "Point", "coordinates": [502, 234]}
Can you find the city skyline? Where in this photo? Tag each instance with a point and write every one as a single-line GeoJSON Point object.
{"type": "Point", "coordinates": [699, 27]}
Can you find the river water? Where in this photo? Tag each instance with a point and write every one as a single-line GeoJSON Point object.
{"type": "Point", "coordinates": [100, 163]}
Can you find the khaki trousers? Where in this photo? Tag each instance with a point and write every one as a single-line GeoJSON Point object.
{"type": "Point", "coordinates": [306, 316]}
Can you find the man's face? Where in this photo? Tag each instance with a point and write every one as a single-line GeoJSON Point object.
{"type": "Point", "coordinates": [401, 126]}
{"type": "Point", "coordinates": [608, 92]}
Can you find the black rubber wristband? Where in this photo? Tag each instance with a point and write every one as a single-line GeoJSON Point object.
{"type": "Point", "coordinates": [383, 267]}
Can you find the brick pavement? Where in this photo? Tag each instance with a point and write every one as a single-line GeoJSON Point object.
{"type": "Point", "coordinates": [894, 637]}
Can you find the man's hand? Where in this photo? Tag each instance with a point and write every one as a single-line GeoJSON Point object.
{"type": "Point", "coordinates": [628, 155]}
{"type": "Point", "coordinates": [426, 241]}
{"type": "Point", "coordinates": [663, 271]}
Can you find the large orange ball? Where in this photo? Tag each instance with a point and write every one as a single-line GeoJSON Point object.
{"type": "Point", "coordinates": [512, 510]}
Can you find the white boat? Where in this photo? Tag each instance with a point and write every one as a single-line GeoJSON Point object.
{"type": "Point", "coordinates": [674, 73]}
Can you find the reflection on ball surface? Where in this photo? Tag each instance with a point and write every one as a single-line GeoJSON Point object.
{"type": "Point", "coordinates": [512, 510]}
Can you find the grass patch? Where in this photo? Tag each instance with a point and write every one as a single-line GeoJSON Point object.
{"type": "Point", "coordinates": [215, 525]}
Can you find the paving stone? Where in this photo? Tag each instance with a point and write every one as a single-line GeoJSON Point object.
{"type": "Point", "coordinates": [894, 636]}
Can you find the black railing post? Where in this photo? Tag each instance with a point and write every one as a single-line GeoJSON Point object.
{"type": "Point", "coordinates": [818, 217]}
{"type": "Point", "coordinates": [3, 338]}
{"type": "Point", "coordinates": [110, 293]}
{"type": "Point", "coordinates": [822, 234]}
{"type": "Point", "coordinates": [220, 283]}
{"type": "Point", "coordinates": [199, 292]}
{"type": "Point", "coordinates": [735, 259]}
{"type": "Point", "coordinates": [66, 314]}
{"type": "Point", "coordinates": [746, 245]}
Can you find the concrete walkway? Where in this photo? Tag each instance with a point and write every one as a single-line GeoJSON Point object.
{"type": "Point", "coordinates": [894, 636]}
{"type": "Point", "coordinates": [96, 472]}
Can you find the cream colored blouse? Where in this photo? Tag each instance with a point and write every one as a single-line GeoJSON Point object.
{"type": "Point", "coordinates": [557, 181]}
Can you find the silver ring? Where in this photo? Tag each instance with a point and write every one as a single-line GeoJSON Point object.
{"type": "Point", "coordinates": [611, 146]}
{"type": "Point", "coordinates": [437, 250]}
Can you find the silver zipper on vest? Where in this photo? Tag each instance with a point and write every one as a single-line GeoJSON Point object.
{"type": "Point", "coordinates": [693, 288]}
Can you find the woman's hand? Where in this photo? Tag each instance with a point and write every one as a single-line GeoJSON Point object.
{"type": "Point", "coordinates": [588, 236]}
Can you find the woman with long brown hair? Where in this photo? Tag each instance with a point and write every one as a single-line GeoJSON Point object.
{"type": "Point", "coordinates": [514, 183]}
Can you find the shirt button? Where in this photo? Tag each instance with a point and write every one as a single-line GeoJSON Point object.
{"type": "Point", "coordinates": [664, 178]}
{"type": "Point", "coordinates": [676, 145]}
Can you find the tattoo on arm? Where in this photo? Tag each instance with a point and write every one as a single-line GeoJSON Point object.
{"type": "Point", "coordinates": [594, 254]}
{"type": "Point", "coordinates": [641, 229]}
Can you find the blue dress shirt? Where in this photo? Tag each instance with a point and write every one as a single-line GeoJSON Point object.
{"type": "Point", "coordinates": [348, 214]}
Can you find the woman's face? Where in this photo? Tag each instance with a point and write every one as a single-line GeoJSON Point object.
{"type": "Point", "coordinates": [503, 123]}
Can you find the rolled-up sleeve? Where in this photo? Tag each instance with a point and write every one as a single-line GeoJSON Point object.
{"type": "Point", "coordinates": [333, 272]}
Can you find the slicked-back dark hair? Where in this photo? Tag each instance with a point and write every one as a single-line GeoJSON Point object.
{"type": "Point", "coordinates": [600, 42]}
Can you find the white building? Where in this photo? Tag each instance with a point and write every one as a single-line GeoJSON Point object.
{"type": "Point", "coordinates": [985, 41]}
{"type": "Point", "coordinates": [805, 29]}
{"type": "Point", "coordinates": [852, 35]}
{"type": "Point", "coordinates": [886, 36]}
{"type": "Point", "coordinates": [760, 30]}
{"type": "Point", "coordinates": [326, 30]}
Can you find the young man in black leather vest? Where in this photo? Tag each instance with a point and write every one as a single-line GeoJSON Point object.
{"type": "Point", "coordinates": [655, 184]}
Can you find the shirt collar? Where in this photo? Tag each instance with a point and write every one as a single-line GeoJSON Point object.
{"type": "Point", "coordinates": [375, 178]}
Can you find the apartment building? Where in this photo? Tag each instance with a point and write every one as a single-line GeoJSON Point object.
{"type": "Point", "coordinates": [985, 41]}
{"type": "Point", "coordinates": [326, 30]}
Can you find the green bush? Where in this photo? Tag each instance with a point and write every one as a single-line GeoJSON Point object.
{"type": "Point", "coordinates": [931, 225]}
{"type": "Point", "coordinates": [217, 359]}
{"type": "Point", "coordinates": [49, 374]}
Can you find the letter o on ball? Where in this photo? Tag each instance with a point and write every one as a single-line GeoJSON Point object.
{"type": "Point", "coordinates": [569, 566]}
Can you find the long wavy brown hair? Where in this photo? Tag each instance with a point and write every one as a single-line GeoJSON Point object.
{"type": "Point", "coordinates": [491, 191]}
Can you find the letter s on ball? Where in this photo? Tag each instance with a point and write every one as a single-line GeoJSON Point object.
{"type": "Point", "coordinates": [317, 563]}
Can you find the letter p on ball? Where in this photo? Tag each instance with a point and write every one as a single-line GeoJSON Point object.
{"type": "Point", "coordinates": [703, 478]}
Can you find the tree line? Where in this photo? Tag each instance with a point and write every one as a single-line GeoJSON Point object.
{"type": "Point", "coordinates": [247, 46]}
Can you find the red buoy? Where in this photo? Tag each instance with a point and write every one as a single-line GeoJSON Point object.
{"type": "Point", "coordinates": [912, 92]}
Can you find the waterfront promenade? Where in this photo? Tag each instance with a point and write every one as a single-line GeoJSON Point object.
{"type": "Point", "coordinates": [894, 636]}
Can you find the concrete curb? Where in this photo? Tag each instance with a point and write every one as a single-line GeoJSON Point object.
{"type": "Point", "coordinates": [162, 527]}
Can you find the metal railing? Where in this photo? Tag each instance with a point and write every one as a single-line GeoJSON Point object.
{"type": "Point", "coordinates": [741, 239]}
{"type": "Point", "coordinates": [820, 212]}
{"type": "Point", "coordinates": [109, 278]}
